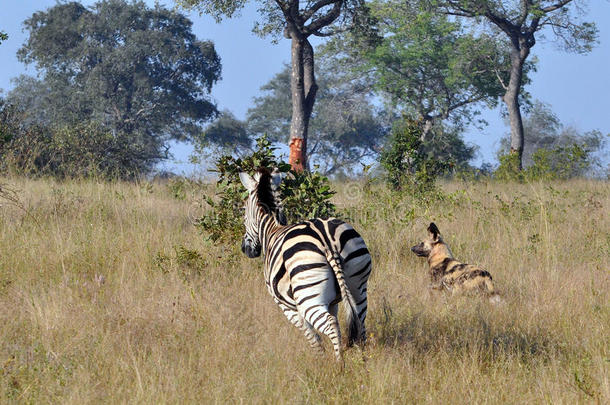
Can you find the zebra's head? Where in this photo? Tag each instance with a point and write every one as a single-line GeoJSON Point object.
{"type": "Point", "coordinates": [263, 199]}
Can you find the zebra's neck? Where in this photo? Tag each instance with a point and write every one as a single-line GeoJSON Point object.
{"type": "Point", "coordinates": [267, 228]}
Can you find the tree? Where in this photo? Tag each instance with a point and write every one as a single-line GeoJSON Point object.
{"type": "Point", "coordinates": [345, 128]}
{"type": "Point", "coordinates": [135, 72]}
{"type": "Point", "coordinates": [427, 66]}
{"type": "Point", "coordinates": [80, 149]}
{"type": "Point", "coordinates": [408, 165]}
{"type": "Point", "coordinates": [520, 21]}
{"type": "Point", "coordinates": [228, 133]}
{"type": "Point", "coordinates": [297, 21]}
{"type": "Point", "coordinates": [3, 36]}
{"type": "Point", "coordinates": [543, 130]}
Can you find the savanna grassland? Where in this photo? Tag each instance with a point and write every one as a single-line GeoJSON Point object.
{"type": "Point", "coordinates": [108, 293]}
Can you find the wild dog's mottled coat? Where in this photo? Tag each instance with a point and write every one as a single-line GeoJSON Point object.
{"type": "Point", "coordinates": [449, 274]}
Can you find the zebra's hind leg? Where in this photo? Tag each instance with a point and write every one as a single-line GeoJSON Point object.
{"type": "Point", "coordinates": [334, 311]}
{"type": "Point", "coordinates": [357, 283]}
{"type": "Point", "coordinates": [312, 337]}
{"type": "Point", "coordinates": [325, 321]}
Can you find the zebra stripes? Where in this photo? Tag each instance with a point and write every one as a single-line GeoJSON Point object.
{"type": "Point", "coordinates": [309, 267]}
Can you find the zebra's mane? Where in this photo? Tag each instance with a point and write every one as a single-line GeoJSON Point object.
{"type": "Point", "coordinates": [268, 196]}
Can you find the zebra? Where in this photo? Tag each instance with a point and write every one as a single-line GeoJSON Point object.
{"type": "Point", "coordinates": [309, 267]}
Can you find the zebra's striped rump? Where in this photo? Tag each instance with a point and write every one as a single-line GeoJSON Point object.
{"type": "Point", "coordinates": [309, 267]}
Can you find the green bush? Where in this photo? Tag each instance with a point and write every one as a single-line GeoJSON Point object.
{"type": "Point", "coordinates": [558, 163]}
{"type": "Point", "coordinates": [82, 149]}
{"type": "Point", "coordinates": [409, 168]}
{"type": "Point", "coordinates": [307, 195]}
{"type": "Point", "coordinates": [304, 195]}
{"type": "Point", "coordinates": [508, 170]}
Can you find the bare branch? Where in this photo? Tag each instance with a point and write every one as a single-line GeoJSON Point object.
{"type": "Point", "coordinates": [525, 10]}
{"type": "Point", "coordinates": [468, 100]}
{"type": "Point", "coordinates": [283, 5]}
{"type": "Point", "coordinates": [555, 6]}
{"type": "Point", "coordinates": [308, 13]}
{"type": "Point", "coordinates": [504, 86]}
{"type": "Point", "coordinates": [324, 20]}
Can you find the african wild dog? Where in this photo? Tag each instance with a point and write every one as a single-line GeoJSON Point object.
{"type": "Point", "coordinates": [449, 274]}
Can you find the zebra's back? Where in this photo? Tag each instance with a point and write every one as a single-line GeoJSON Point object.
{"type": "Point", "coordinates": [300, 277]}
{"type": "Point", "coordinates": [303, 247]}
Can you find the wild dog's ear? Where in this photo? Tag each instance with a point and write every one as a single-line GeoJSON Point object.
{"type": "Point", "coordinates": [248, 181]}
{"type": "Point", "coordinates": [434, 232]}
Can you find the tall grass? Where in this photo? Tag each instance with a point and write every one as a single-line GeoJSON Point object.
{"type": "Point", "coordinates": [109, 294]}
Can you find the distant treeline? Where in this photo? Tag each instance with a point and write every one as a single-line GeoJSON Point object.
{"type": "Point", "coordinates": [119, 80]}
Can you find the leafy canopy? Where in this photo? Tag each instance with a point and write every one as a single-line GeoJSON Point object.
{"type": "Point", "coordinates": [130, 69]}
{"type": "Point", "coordinates": [426, 65]}
{"type": "Point", "coordinates": [303, 195]}
{"type": "Point", "coordinates": [521, 20]}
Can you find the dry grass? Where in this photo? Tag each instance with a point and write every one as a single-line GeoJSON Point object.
{"type": "Point", "coordinates": [109, 294]}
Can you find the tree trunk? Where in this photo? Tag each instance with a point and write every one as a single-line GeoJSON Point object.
{"type": "Point", "coordinates": [426, 128]}
{"type": "Point", "coordinates": [511, 98]}
{"type": "Point", "coordinates": [304, 88]}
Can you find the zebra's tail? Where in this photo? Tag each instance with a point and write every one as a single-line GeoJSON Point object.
{"type": "Point", "coordinates": [355, 328]}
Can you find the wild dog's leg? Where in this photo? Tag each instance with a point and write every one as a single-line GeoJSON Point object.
{"type": "Point", "coordinates": [296, 319]}
{"type": "Point", "coordinates": [435, 286]}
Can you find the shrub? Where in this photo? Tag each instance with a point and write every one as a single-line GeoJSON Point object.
{"type": "Point", "coordinates": [304, 195]}
{"type": "Point", "coordinates": [307, 195]}
{"type": "Point", "coordinates": [82, 149]}
{"type": "Point", "coordinates": [508, 170]}
{"type": "Point", "coordinates": [558, 163]}
{"type": "Point", "coordinates": [181, 187]}
{"type": "Point", "coordinates": [408, 166]}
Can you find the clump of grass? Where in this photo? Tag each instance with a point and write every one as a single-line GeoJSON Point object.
{"type": "Point", "coordinates": [114, 296]}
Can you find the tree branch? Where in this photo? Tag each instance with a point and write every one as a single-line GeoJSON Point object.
{"type": "Point", "coordinates": [476, 9]}
{"type": "Point", "coordinates": [497, 72]}
{"type": "Point", "coordinates": [555, 6]}
{"type": "Point", "coordinates": [469, 100]}
{"type": "Point", "coordinates": [324, 20]}
{"type": "Point", "coordinates": [525, 10]}
{"type": "Point", "coordinates": [307, 14]}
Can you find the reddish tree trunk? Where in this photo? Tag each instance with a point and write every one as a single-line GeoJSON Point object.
{"type": "Point", "coordinates": [304, 88]}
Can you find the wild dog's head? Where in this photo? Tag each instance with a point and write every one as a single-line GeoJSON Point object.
{"type": "Point", "coordinates": [425, 248]}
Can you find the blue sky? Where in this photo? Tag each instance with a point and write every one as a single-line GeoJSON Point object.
{"type": "Point", "coordinates": [576, 86]}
